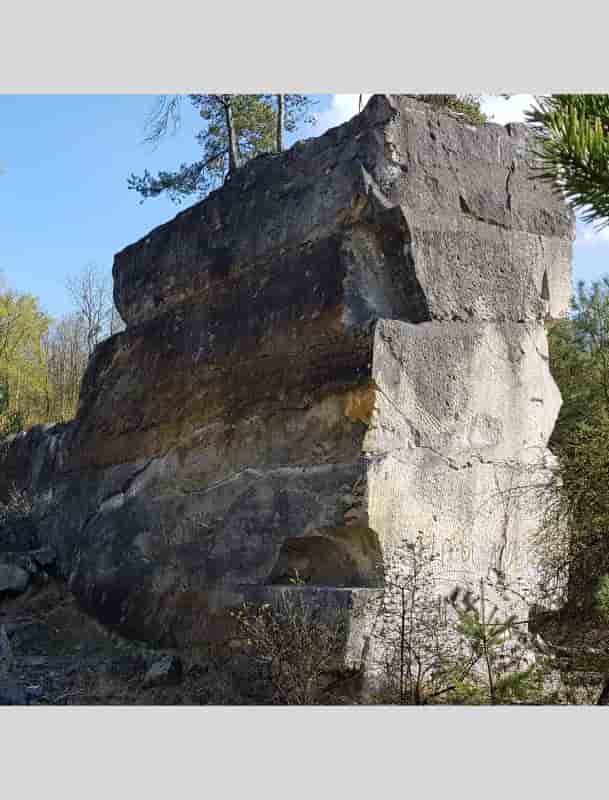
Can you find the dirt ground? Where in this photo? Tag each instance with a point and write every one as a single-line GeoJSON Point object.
{"type": "Point", "coordinates": [63, 657]}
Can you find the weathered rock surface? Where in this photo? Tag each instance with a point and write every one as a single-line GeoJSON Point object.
{"type": "Point", "coordinates": [31, 561]}
{"type": "Point", "coordinates": [13, 578]}
{"type": "Point", "coordinates": [11, 694]}
{"type": "Point", "coordinates": [343, 346]}
{"type": "Point", "coordinates": [6, 653]}
{"type": "Point", "coordinates": [164, 672]}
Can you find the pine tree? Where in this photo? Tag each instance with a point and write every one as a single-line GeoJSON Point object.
{"type": "Point", "coordinates": [573, 147]}
{"type": "Point", "coordinates": [468, 105]}
{"type": "Point", "coordinates": [237, 128]}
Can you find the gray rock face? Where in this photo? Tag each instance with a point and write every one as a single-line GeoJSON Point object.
{"type": "Point", "coordinates": [13, 579]}
{"type": "Point", "coordinates": [343, 346]}
{"type": "Point", "coordinates": [11, 694]}
{"type": "Point", "coordinates": [164, 672]}
{"type": "Point", "coordinates": [6, 653]}
{"type": "Point", "coordinates": [31, 561]}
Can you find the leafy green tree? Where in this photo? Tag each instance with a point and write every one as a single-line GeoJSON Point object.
{"type": "Point", "coordinates": [579, 359]}
{"type": "Point", "coordinates": [502, 646]}
{"type": "Point", "coordinates": [575, 539]}
{"type": "Point", "coordinates": [421, 659]}
{"type": "Point", "coordinates": [460, 649]}
{"type": "Point", "coordinates": [237, 128]}
{"type": "Point", "coordinates": [574, 542]}
{"type": "Point", "coordinates": [23, 327]}
{"type": "Point", "coordinates": [11, 421]}
{"type": "Point", "coordinates": [573, 146]}
{"type": "Point", "coordinates": [280, 122]}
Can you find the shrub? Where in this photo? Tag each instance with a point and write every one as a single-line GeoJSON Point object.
{"type": "Point", "coordinates": [297, 648]}
{"type": "Point", "coordinates": [466, 104]}
{"type": "Point", "coordinates": [18, 528]}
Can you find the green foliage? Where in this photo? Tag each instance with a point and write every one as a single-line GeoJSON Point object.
{"type": "Point", "coordinates": [466, 104]}
{"type": "Point", "coordinates": [584, 492]}
{"type": "Point", "coordinates": [573, 147]}
{"type": "Point", "coordinates": [497, 644]}
{"type": "Point", "coordinates": [579, 358]}
{"type": "Point", "coordinates": [469, 106]}
{"type": "Point", "coordinates": [577, 378]}
{"type": "Point", "coordinates": [296, 579]}
{"type": "Point", "coordinates": [11, 421]}
{"type": "Point", "coordinates": [41, 361]}
{"type": "Point", "coordinates": [255, 123]}
{"type": "Point", "coordinates": [463, 650]}
{"type": "Point", "coordinates": [23, 327]}
{"type": "Point", "coordinates": [524, 686]}
{"type": "Point", "coordinates": [574, 542]}
{"type": "Point", "coordinates": [602, 598]}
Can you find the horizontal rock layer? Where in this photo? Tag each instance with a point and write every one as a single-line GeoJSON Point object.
{"type": "Point", "coordinates": [343, 346]}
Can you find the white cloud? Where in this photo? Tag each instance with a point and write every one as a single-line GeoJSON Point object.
{"type": "Point", "coordinates": [503, 110]}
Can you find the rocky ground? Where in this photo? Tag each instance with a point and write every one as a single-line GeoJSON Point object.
{"type": "Point", "coordinates": [54, 654]}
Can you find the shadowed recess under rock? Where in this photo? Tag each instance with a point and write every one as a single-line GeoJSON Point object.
{"type": "Point", "coordinates": [347, 556]}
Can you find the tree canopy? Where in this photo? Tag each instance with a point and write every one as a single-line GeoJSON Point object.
{"type": "Point", "coordinates": [23, 326]}
{"type": "Point", "coordinates": [236, 129]}
{"type": "Point", "coordinates": [42, 360]}
{"type": "Point", "coordinates": [575, 540]}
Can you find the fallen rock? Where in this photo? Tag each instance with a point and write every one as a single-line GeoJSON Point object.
{"type": "Point", "coordinates": [13, 579]}
{"type": "Point", "coordinates": [164, 672]}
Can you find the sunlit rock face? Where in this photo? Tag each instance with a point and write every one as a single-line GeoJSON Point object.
{"type": "Point", "coordinates": [342, 347]}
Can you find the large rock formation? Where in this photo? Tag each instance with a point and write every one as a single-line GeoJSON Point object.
{"type": "Point", "coordinates": [343, 346]}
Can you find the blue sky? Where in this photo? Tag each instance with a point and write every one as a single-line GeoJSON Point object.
{"type": "Point", "coordinates": [64, 200]}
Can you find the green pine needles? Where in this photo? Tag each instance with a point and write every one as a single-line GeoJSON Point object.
{"type": "Point", "coordinates": [573, 147]}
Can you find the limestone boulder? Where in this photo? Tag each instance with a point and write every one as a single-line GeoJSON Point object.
{"type": "Point", "coordinates": [343, 346]}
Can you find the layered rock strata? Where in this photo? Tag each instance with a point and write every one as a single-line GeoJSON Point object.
{"type": "Point", "coordinates": [342, 347]}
